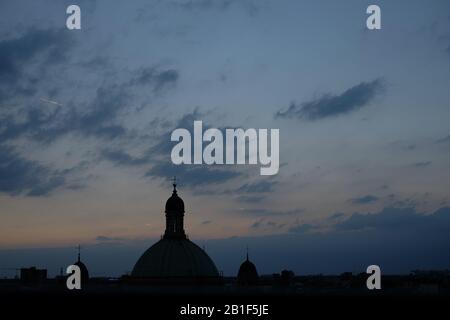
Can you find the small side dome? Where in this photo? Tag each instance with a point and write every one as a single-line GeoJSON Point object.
{"type": "Point", "coordinates": [247, 274]}
{"type": "Point", "coordinates": [83, 270]}
{"type": "Point", "coordinates": [175, 203]}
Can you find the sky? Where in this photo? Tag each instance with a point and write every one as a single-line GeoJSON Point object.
{"type": "Point", "coordinates": [86, 117]}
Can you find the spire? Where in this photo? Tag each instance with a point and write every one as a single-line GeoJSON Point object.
{"type": "Point", "coordinates": [174, 185]}
{"type": "Point", "coordinates": [79, 250]}
{"type": "Point", "coordinates": [247, 253]}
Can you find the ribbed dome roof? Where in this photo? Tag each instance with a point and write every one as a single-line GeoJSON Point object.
{"type": "Point", "coordinates": [174, 258]}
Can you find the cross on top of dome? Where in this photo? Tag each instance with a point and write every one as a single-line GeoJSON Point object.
{"type": "Point", "coordinates": [174, 179]}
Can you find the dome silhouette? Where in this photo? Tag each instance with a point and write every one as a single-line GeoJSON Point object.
{"type": "Point", "coordinates": [247, 275]}
{"type": "Point", "coordinates": [175, 256]}
{"type": "Point", "coordinates": [83, 269]}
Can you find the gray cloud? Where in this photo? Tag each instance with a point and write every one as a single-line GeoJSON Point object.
{"type": "Point", "coordinates": [158, 156]}
{"type": "Point", "coordinates": [97, 119]}
{"type": "Point", "coordinates": [269, 212]}
{"type": "Point", "coordinates": [19, 53]}
{"type": "Point", "coordinates": [28, 58]}
{"type": "Point", "coordinates": [157, 79]}
{"type": "Point", "coordinates": [251, 7]}
{"type": "Point", "coordinates": [444, 140]}
{"type": "Point", "coordinates": [108, 239]}
{"type": "Point", "coordinates": [21, 176]}
{"type": "Point", "coordinates": [266, 224]}
{"type": "Point", "coordinates": [257, 187]}
{"type": "Point", "coordinates": [364, 200]}
{"type": "Point", "coordinates": [336, 216]}
{"type": "Point", "coordinates": [163, 145]}
{"type": "Point", "coordinates": [250, 199]}
{"type": "Point", "coordinates": [302, 228]}
{"type": "Point", "coordinates": [330, 105]}
{"type": "Point", "coordinates": [422, 164]}
{"type": "Point", "coordinates": [396, 201]}
{"type": "Point", "coordinates": [120, 157]}
{"type": "Point", "coordinates": [398, 219]}
{"type": "Point", "coordinates": [192, 175]}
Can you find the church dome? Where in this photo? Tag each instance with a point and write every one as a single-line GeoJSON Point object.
{"type": "Point", "coordinates": [247, 274]}
{"type": "Point", "coordinates": [174, 258]}
{"type": "Point", "coordinates": [83, 271]}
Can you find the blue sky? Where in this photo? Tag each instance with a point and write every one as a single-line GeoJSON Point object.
{"type": "Point", "coordinates": [86, 116]}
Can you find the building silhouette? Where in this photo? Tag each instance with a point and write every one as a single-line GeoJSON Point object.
{"type": "Point", "coordinates": [247, 275]}
{"type": "Point", "coordinates": [83, 269]}
{"type": "Point", "coordinates": [33, 275]}
{"type": "Point", "coordinates": [175, 258]}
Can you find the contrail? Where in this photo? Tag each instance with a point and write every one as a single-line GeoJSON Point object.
{"type": "Point", "coordinates": [51, 101]}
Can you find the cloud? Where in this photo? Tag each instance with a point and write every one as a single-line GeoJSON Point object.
{"type": "Point", "coordinates": [19, 53]}
{"type": "Point", "coordinates": [251, 7]}
{"type": "Point", "coordinates": [257, 187]}
{"type": "Point", "coordinates": [266, 224]}
{"type": "Point", "coordinates": [21, 176]}
{"type": "Point", "coordinates": [120, 157]}
{"type": "Point", "coordinates": [157, 79]}
{"type": "Point", "coordinates": [330, 105]}
{"type": "Point", "coordinates": [28, 65]}
{"type": "Point", "coordinates": [336, 216]}
{"type": "Point", "coordinates": [108, 239]}
{"type": "Point", "coordinates": [158, 156]}
{"type": "Point", "coordinates": [364, 200]}
{"type": "Point", "coordinates": [444, 140]}
{"type": "Point", "coordinates": [393, 200]}
{"type": "Point", "coordinates": [192, 175]}
{"type": "Point", "coordinates": [250, 199]}
{"type": "Point", "coordinates": [163, 145]}
{"type": "Point", "coordinates": [422, 164]}
{"type": "Point", "coordinates": [269, 212]}
{"type": "Point", "coordinates": [100, 117]}
{"type": "Point", "coordinates": [302, 228]}
{"type": "Point", "coordinates": [398, 219]}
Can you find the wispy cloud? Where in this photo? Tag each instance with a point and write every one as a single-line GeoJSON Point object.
{"type": "Point", "coordinates": [269, 212]}
{"type": "Point", "coordinates": [21, 176]}
{"type": "Point", "coordinates": [398, 218]}
{"type": "Point", "coordinates": [329, 105]}
{"type": "Point", "coordinates": [18, 54]}
{"type": "Point", "coordinates": [444, 140]}
{"type": "Point", "coordinates": [364, 199]}
{"type": "Point", "coordinates": [422, 164]}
